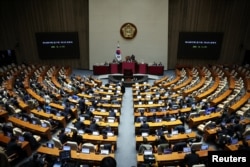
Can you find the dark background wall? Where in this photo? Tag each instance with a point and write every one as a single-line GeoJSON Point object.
{"type": "Point", "coordinates": [20, 20]}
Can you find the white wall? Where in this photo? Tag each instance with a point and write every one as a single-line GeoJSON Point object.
{"type": "Point", "coordinates": [149, 16]}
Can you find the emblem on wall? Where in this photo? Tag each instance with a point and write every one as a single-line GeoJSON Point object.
{"type": "Point", "coordinates": [128, 31]}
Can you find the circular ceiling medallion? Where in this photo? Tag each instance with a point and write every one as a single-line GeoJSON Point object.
{"type": "Point", "coordinates": [128, 30]}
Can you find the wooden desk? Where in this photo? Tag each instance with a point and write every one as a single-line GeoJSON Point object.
{"type": "Point", "coordinates": [37, 129]}
{"type": "Point", "coordinates": [210, 90]}
{"type": "Point", "coordinates": [61, 107]}
{"type": "Point", "coordinates": [42, 114]}
{"type": "Point", "coordinates": [159, 81]}
{"type": "Point", "coordinates": [235, 147]}
{"type": "Point", "coordinates": [196, 87]}
{"type": "Point", "coordinates": [36, 96]}
{"type": "Point", "coordinates": [210, 134]}
{"type": "Point", "coordinates": [156, 125]}
{"type": "Point", "coordinates": [156, 70]}
{"type": "Point", "coordinates": [4, 114]}
{"type": "Point", "coordinates": [239, 103]}
{"type": "Point", "coordinates": [113, 125]}
{"type": "Point", "coordinates": [222, 97]}
{"type": "Point", "coordinates": [180, 137]}
{"type": "Point", "coordinates": [100, 70]}
{"type": "Point", "coordinates": [24, 145]}
{"type": "Point", "coordinates": [91, 158]}
{"type": "Point", "coordinates": [203, 118]}
{"type": "Point", "coordinates": [171, 159]}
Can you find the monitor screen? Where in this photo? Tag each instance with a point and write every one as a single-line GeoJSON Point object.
{"type": "Point", "coordinates": [44, 125]}
{"type": "Point", "coordinates": [144, 134]}
{"type": "Point", "coordinates": [186, 149]}
{"type": "Point", "coordinates": [104, 151]}
{"type": "Point", "coordinates": [148, 152]}
{"type": "Point", "coordinates": [204, 147]}
{"type": "Point", "coordinates": [200, 45]}
{"type": "Point", "coordinates": [85, 150]}
{"type": "Point", "coordinates": [66, 148]}
{"type": "Point", "coordinates": [174, 132]}
{"type": "Point", "coordinates": [188, 130]}
{"type": "Point", "coordinates": [57, 45]}
{"type": "Point", "coordinates": [247, 137]}
{"type": "Point", "coordinates": [80, 132]}
{"type": "Point", "coordinates": [167, 151]}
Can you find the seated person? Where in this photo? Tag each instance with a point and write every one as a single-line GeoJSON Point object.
{"type": "Point", "coordinates": [180, 128]}
{"type": "Point", "coordinates": [77, 138]}
{"type": "Point", "coordinates": [144, 127]}
{"type": "Point", "coordinates": [141, 118]}
{"type": "Point", "coordinates": [32, 141]}
{"type": "Point", "coordinates": [191, 159]}
{"type": "Point", "coordinates": [92, 127]}
{"type": "Point", "coordinates": [153, 118]}
{"type": "Point", "coordinates": [161, 140]}
{"type": "Point", "coordinates": [62, 136]}
{"type": "Point", "coordinates": [13, 147]}
{"type": "Point", "coordinates": [144, 146]}
{"type": "Point", "coordinates": [7, 129]}
{"type": "Point", "coordinates": [79, 124]}
{"type": "Point", "coordinates": [112, 113]}
{"type": "Point", "coordinates": [106, 130]}
{"type": "Point", "coordinates": [179, 146]}
{"type": "Point", "coordinates": [108, 162]}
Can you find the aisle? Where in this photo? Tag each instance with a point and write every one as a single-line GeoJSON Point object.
{"type": "Point", "coordinates": [126, 153]}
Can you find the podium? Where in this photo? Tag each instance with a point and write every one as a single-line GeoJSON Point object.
{"type": "Point", "coordinates": [156, 70]}
{"type": "Point", "coordinates": [100, 69]}
{"type": "Point", "coordinates": [142, 68]}
{"type": "Point", "coordinates": [128, 66]}
{"type": "Point", "coordinates": [114, 68]}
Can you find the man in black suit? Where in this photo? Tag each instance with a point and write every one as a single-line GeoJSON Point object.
{"type": "Point", "coordinates": [112, 113]}
{"type": "Point", "coordinates": [79, 124]}
{"type": "Point", "coordinates": [144, 127]}
{"type": "Point", "coordinates": [14, 147]}
{"type": "Point", "coordinates": [62, 136]}
{"type": "Point", "coordinates": [191, 159]}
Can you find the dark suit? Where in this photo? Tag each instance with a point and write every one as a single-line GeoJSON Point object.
{"type": "Point", "coordinates": [191, 159]}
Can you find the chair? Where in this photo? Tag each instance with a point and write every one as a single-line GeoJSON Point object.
{"type": "Point", "coordinates": [178, 147]}
{"type": "Point", "coordinates": [90, 146]}
{"type": "Point", "coordinates": [144, 147]}
{"type": "Point", "coordinates": [17, 131]}
{"type": "Point", "coordinates": [57, 143]}
{"type": "Point", "coordinates": [161, 147]}
{"type": "Point", "coordinates": [110, 119]}
{"type": "Point", "coordinates": [73, 145]}
{"type": "Point", "coordinates": [202, 127]}
{"type": "Point", "coordinates": [196, 146]}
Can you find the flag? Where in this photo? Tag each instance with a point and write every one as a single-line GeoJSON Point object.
{"type": "Point", "coordinates": [118, 54]}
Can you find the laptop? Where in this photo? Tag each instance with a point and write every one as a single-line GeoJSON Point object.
{"type": "Point", "coordinates": [66, 148]}
{"type": "Point", "coordinates": [188, 131]}
{"type": "Point", "coordinates": [186, 149]}
{"type": "Point", "coordinates": [204, 147]}
{"type": "Point", "coordinates": [85, 150]}
{"type": "Point", "coordinates": [104, 151]}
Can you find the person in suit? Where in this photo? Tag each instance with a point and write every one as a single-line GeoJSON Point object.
{"type": "Point", "coordinates": [62, 136]}
{"type": "Point", "coordinates": [112, 113]}
{"type": "Point", "coordinates": [191, 159]}
{"type": "Point", "coordinates": [77, 138]}
{"type": "Point", "coordinates": [4, 159]}
{"type": "Point", "coordinates": [82, 105]}
{"type": "Point", "coordinates": [92, 127]}
{"type": "Point", "coordinates": [141, 118]}
{"type": "Point", "coordinates": [106, 130]}
{"type": "Point", "coordinates": [144, 127]}
{"type": "Point", "coordinates": [79, 124]}
{"type": "Point", "coordinates": [13, 147]}
{"type": "Point", "coordinates": [108, 162]}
